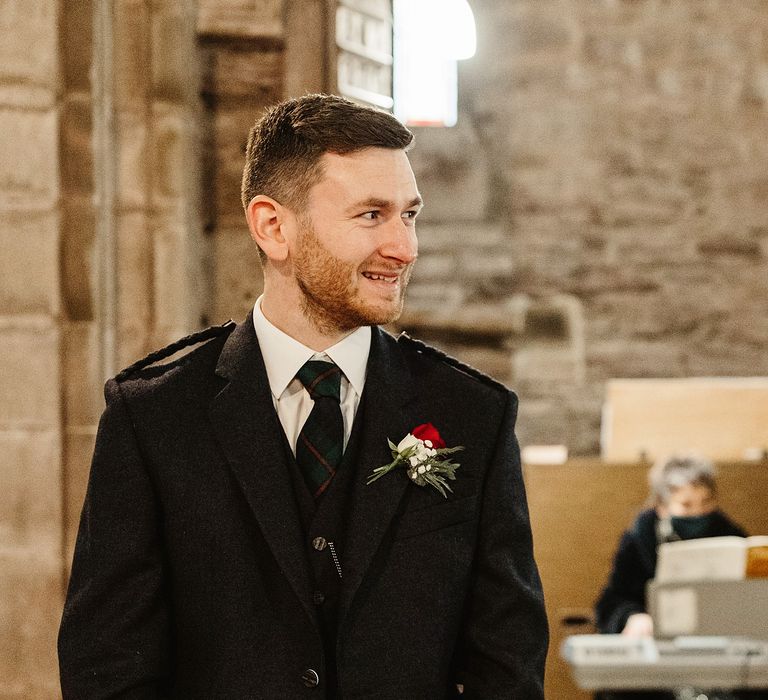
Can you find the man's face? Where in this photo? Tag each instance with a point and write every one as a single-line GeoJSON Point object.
{"type": "Point", "coordinates": [357, 240]}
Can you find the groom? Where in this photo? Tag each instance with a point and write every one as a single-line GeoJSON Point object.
{"type": "Point", "coordinates": [232, 543]}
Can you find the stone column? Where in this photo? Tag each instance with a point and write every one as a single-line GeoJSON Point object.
{"type": "Point", "coordinates": [130, 251]}
{"type": "Point", "coordinates": [30, 342]}
{"type": "Point", "coordinates": [157, 174]}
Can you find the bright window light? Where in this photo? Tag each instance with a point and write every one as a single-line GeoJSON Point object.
{"type": "Point", "coordinates": [430, 37]}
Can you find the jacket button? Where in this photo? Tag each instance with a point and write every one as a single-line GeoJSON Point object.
{"type": "Point", "coordinates": [318, 598]}
{"type": "Point", "coordinates": [310, 678]}
{"type": "Point", "coordinates": [319, 543]}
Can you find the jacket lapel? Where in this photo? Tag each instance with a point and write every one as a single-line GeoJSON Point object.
{"type": "Point", "coordinates": [250, 435]}
{"type": "Point", "coordinates": [387, 392]}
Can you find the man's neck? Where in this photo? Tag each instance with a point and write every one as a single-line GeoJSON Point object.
{"type": "Point", "coordinates": [292, 321]}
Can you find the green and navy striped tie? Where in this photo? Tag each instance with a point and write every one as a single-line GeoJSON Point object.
{"type": "Point", "coordinates": [320, 445]}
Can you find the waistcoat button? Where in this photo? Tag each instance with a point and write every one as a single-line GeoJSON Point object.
{"type": "Point", "coordinates": [319, 543]}
{"type": "Point", "coordinates": [310, 678]}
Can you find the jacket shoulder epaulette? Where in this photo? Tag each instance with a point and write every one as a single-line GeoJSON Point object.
{"type": "Point", "coordinates": [429, 351]}
{"type": "Point", "coordinates": [173, 348]}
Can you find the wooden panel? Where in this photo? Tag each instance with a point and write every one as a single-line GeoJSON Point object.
{"type": "Point", "coordinates": [720, 417]}
{"type": "Point", "coordinates": [578, 512]}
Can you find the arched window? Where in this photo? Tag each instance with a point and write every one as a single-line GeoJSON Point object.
{"type": "Point", "coordinates": [430, 36]}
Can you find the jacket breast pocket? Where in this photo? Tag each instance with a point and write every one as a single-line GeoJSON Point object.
{"type": "Point", "coordinates": [419, 522]}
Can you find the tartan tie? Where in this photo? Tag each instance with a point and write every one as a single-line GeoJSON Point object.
{"type": "Point", "coordinates": [320, 445]}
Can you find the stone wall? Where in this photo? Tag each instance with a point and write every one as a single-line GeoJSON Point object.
{"type": "Point", "coordinates": [30, 343]}
{"type": "Point", "coordinates": [253, 54]}
{"type": "Point", "coordinates": [242, 59]}
{"type": "Point", "coordinates": [155, 151]}
{"type": "Point", "coordinates": [610, 159]}
{"type": "Point", "coordinates": [130, 256]}
{"type": "Point", "coordinates": [99, 258]}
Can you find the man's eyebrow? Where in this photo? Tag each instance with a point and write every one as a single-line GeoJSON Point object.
{"type": "Point", "coordinates": [376, 203]}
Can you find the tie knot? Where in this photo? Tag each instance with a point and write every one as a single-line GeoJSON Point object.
{"type": "Point", "coordinates": [321, 379]}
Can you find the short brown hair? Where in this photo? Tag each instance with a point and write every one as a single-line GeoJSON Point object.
{"type": "Point", "coordinates": [285, 146]}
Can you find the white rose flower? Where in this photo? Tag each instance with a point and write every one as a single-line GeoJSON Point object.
{"type": "Point", "coordinates": [407, 442]}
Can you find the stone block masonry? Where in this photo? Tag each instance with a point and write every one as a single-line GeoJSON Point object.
{"type": "Point", "coordinates": [30, 345]}
{"type": "Point", "coordinates": [613, 152]}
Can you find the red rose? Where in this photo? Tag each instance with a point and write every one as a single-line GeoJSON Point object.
{"type": "Point", "coordinates": [427, 431]}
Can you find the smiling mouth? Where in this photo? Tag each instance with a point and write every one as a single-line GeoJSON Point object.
{"type": "Point", "coordinates": [379, 277]}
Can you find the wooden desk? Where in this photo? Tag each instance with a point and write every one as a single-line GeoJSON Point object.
{"type": "Point", "coordinates": [578, 512]}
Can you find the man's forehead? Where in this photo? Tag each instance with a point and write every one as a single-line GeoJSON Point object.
{"type": "Point", "coordinates": [370, 174]}
{"type": "Point", "coordinates": [365, 157]}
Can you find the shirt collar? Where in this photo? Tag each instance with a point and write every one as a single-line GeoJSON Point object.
{"type": "Point", "coordinates": [284, 355]}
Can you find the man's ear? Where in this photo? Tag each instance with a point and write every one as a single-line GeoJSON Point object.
{"type": "Point", "coordinates": [266, 220]}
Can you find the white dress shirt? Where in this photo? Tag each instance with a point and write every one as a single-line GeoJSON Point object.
{"type": "Point", "coordinates": [284, 356]}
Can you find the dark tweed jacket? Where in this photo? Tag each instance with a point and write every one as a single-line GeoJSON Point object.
{"type": "Point", "coordinates": [190, 577]}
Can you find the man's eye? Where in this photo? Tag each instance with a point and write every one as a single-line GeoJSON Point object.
{"type": "Point", "coordinates": [371, 215]}
{"type": "Point", "coordinates": [410, 214]}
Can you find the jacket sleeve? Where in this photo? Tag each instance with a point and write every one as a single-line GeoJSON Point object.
{"type": "Point", "coordinates": [624, 594]}
{"type": "Point", "coordinates": [505, 635]}
{"type": "Point", "coordinates": [113, 640]}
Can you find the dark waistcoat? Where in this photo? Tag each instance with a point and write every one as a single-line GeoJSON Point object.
{"type": "Point", "coordinates": [325, 529]}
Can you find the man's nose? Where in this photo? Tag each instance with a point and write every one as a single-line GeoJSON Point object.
{"type": "Point", "coordinates": [400, 242]}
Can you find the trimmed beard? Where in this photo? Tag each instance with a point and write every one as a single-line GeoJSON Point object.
{"type": "Point", "coordinates": [330, 300]}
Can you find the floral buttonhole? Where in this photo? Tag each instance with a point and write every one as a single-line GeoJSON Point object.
{"type": "Point", "coordinates": [425, 457]}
